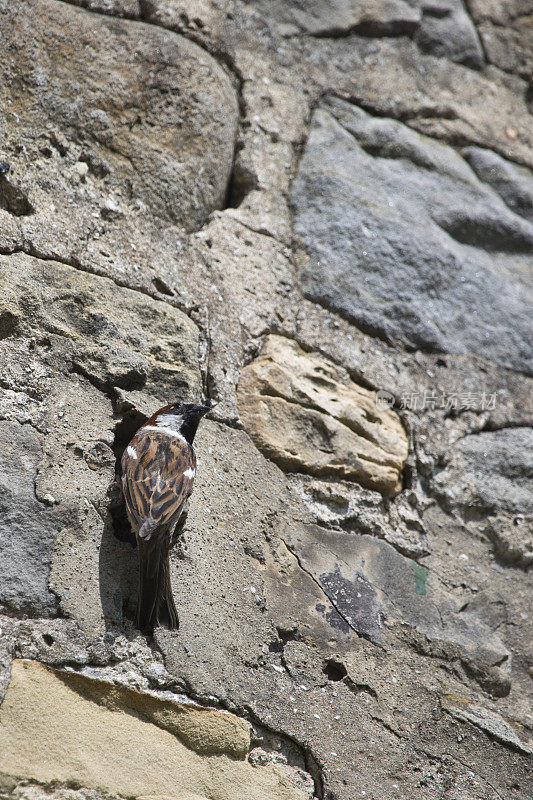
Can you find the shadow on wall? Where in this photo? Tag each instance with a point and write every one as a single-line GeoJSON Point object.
{"type": "Point", "coordinates": [118, 568]}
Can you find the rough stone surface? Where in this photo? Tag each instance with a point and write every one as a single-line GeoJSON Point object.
{"type": "Point", "coordinates": [405, 242]}
{"type": "Point", "coordinates": [115, 337]}
{"type": "Point", "coordinates": [505, 30]}
{"type": "Point", "coordinates": [158, 162]}
{"type": "Point", "coordinates": [308, 416]}
{"type": "Point", "coordinates": [514, 184]}
{"type": "Point", "coordinates": [339, 17]}
{"type": "Point", "coordinates": [442, 30]}
{"type": "Point", "coordinates": [362, 576]}
{"type": "Point", "coordinates": [446, 29]}
{"type": "Point", "coordinates": [347, 506]}
{"type": "Point", "coordinates": [488, 481]}
{"type": "Point", "coordinates": [492, 723]}
{"type": "Point", "coordinates": [154, 114]}
{"type": "Point", "coordinates": [27, 526]}
{"type": "Point", "coordinates": [432, 95]}
{"type": "Point", "coordinates": [206, 731]}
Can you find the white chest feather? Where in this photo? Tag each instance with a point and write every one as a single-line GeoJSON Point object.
{"type": "Point", "coordinates": [165, 429]}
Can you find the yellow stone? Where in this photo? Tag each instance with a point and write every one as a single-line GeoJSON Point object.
{"type": "Point", "coordinates": [51, 732]}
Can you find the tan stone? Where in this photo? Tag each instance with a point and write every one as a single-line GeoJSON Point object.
{"type": "Point", "coordinates": [307, 415]}
{"type": "Point", "coordinates": [204, 730]}
{"type": "Point", "coordinates": [49, 732]}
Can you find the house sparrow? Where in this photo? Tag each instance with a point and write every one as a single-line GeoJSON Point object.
{"type": "Point", "coordinates": [158, 469]}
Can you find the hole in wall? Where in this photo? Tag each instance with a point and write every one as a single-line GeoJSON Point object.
{"type": "Point", "coordinates": [334, 670]}
{"type": "Point", "coordinates": [243, 181]}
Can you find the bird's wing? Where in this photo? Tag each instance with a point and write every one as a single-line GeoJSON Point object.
{"type": "Point", "coordinates": [157, 477]}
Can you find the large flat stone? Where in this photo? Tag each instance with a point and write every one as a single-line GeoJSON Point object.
{"type": "Point", "coordinates": [405, 241]}
{"type": "Point", "coordinates": [374, 587]}
{"type": "Point", "coordinates": [306, 414]}
{"type": "Point", "coordinates": [52, 732]}
{"type": "Point", "coordinates": [204, 730]}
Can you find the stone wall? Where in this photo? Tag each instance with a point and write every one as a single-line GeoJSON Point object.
{"type": "Point", "coordinates": [320, 215]}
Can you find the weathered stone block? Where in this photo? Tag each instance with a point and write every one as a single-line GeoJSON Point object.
{"type": "Point", "coordinates": [307, 415]}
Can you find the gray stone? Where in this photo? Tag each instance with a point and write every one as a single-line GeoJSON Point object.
{"type": "Point", "coordinates": [126, 91]}
{"type": "Point", "coordinates": [391, 77]}
{"type": "Point", "coordinates": [447, 30]}
{"type": "Point", "coordinates": [347, 506]}
{"type": "Point", "coordinates": [339, 17]}
{"type": "Point", "coordinates": [7, 648]}
{"type": "Point", "coordinates": [488, 480]}
{"type": "Point", "coordinates": [513, 183]}
{"type": "Point", "coordinates": [505, 30]}
{"type": "Point", "coordinates": [490, 471]}
{"type": "Point", "coordinates": [52, 641]}
{"type": "Point", "coordinates": [404, 241]}
{"type": "Point", "coordinates": [372, 586]}
{"type": "Point", "coordinates": [442, 29]}
{"type": "Point", "coordinates": [115, 8]}
{"type": "Point", "coordinates": [27, 527]}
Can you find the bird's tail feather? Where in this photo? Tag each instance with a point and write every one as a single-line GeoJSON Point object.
{"type": "Point", "coordinates": [155, 604]}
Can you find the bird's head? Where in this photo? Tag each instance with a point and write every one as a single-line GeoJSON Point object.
{"type": "Point", "coordinates": [182, 418]}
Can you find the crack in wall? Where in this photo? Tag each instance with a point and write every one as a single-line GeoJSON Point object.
{"type": "Point", "coordinates": [324, 592]}
{"type": "Point", "coordinates": [75, 263]}
{"type": "Point", "coordinates": [245, 711]}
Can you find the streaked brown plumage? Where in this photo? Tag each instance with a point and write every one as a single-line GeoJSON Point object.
{"type": "Point", "coordinates": [158, 469]}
